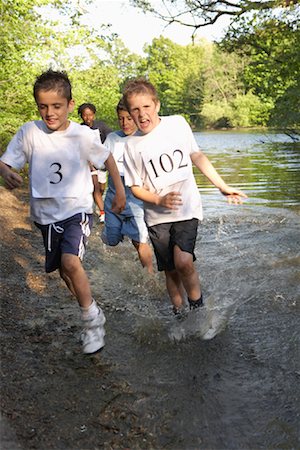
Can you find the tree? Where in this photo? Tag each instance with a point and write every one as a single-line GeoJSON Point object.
{"type": "Point", "coordinates": [200, 13]}
{"type": "Point", "coordinates": [63, 44]}
{"type": "Point", "coordinates": [176, 72]}
{"type": "Point", "coordinates": [20, 30]}
{"type": "Point", "coordinates": [272, 46]}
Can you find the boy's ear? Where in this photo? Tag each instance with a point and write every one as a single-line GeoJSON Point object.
{"type": "Point", "coordinates": [157, 106]}
{"type": "Point", "coordinates": [71, 106]}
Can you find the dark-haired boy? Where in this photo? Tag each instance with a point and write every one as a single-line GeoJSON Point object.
{"type": "Point", "coordinates": [87, 112]}
{"type": "Point", "coordinates": [61, 190]}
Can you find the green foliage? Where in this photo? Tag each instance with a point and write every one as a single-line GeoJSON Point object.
{"type": "Point", "coordinates": [98, 85]}
{"type": "Point", "coordinates": [215, 115]}
{"type": "Point", "coordinates": [272, 46]}
{"type": "Point", "coordinates": [286, 112]}
{"type": "Point", "coordinates": [64, 44]}
{"type": "Point", "coordinates": [242, 111]}
{"type": "Point", "coordinates": [176, 72]}
{"type": "Point", "coordinates": [250, 79]}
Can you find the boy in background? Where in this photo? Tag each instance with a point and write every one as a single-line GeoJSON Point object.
{"type": "Point", "coordinates": [158, 168]}
{"type": "Point", "coordinates": [61, 190]}
{"type": "Point", "coordinates": [87, 112]}
{"type": "Point", "coordinates": [130, 222]}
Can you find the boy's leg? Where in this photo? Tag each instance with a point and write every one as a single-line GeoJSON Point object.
{"type": "Point", "coordinates": [112, 232]}
{"type": "Point", "coordinates": [76, 279]}
{"type": "Point", "coordinates": [186, 269]}
{"type": "Point", "coordinates": [175, 289]}
{"type": "Point", "coordinates": [145, 255]}
{"type": "Point", "coordinates": [93, 318]}
{"type": "Point", "coordinates": [74, 240]}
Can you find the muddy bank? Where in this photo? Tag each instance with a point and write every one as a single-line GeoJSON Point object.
{"type": "Point", "coordinates": [51, 395]}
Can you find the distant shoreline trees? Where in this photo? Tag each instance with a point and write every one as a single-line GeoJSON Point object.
{"type": "Point", "coordinates": [250, 79]}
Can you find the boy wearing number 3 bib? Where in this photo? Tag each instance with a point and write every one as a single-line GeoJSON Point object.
{"type": "Point", "coordinates": [159, 169]}
{"type": "Point", "coordinates": [58, 152]}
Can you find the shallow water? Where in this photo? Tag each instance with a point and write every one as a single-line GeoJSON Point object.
{"type": "Point", "coordinates": [226, 376]}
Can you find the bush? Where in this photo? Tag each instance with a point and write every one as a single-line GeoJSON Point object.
{"type": "Point", "coordinates": [243, 111]}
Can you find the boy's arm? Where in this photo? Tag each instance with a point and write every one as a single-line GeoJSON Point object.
{"type": "Point", "coordinates": [11, 179]}
{"type": "Point", "coordinates": [205, 166]}
{"type": "Point", "coordinates": [119, 201]}
{"type": "Point", "coordinates": [170, 200]}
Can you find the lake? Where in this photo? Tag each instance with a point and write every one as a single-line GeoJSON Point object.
{"type": "Point", "coordinates": [265, 165]}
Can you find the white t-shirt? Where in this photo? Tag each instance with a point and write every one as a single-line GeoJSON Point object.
{"type": "Point", "coordinates": [115, 142]}
{"type": "Point", "coordinates": [160, 162]}
{"type": "Point", "coordinates": [60, 178]}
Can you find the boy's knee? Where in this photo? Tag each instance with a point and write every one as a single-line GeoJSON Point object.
{"type": "Point", "coordinates": [69, 263]}
{"type": "Point", "coordinates": [112, 239]}
{"type": "Point", "coordinates": [186, 268]}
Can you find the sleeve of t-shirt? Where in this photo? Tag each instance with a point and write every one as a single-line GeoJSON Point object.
{"type": "Point", "coordinates": [194, 147]}
{"type": "Point", "coordinates": [109, 142]}
{"type": "Point", "coordinates": [16, 154]}
{"type": "Point", "coordinates": [131, 173]}
{"type": "Point", "coordinates": [97, 152]}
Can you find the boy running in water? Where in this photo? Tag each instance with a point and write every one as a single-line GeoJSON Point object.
{"type": "Point", "coordinates": [158, 168]}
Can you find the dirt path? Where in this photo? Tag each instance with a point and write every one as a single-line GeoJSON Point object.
{"type": "Point", "coordinates": [52, 396]}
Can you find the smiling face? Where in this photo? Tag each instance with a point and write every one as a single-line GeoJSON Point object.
{"type": "Point", "coordinates": [88, 117]}
{"type": "Point", "coordinates": [144, 111]}
{"type": "Point", "coordinates": [54, 109]}
{"type": "Point", "coordinates": [126, 122]}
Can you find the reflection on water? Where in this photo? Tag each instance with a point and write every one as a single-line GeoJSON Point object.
{"type": "Point", "coordinates": [265, 166]}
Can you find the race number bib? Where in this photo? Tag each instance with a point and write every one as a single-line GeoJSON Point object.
{"type": "Point", "coordinates": [167, 168]}
{"type": "Point", "coordinates": [56, 174]}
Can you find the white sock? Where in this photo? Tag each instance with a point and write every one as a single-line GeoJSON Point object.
{"type": "Point", "coordinates": [90, 312]}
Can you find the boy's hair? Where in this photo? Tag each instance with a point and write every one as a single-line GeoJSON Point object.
{"type": "Point", "coordinates": [139, 86]}
{"type": "Point", "coordinates": [86, 105]}
{"type": "Point", "coordinates": [53, 81]}
{"type": "Point", "coordinates": [121, 106]}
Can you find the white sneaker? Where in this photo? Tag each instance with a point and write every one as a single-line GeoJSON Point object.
{"type": "Point", "coordinates": [92, 337]}
{"type": "Point", "coordinates": [101, 218]}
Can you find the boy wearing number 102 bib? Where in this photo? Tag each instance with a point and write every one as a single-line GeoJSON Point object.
{"type": "Point", "coordinates": [159, 169]}
{"type": "Point", "coordinates": [58, 152]}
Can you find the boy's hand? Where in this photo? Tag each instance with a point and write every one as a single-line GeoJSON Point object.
{"type": "Point", "coordinates": [234, 196]}
{"type": "Point", "coordinates": [119, 202]}
{"type": "Point", "coordinates": [171, 200]}
{"type": "Point", "coordinates": [11, 179]}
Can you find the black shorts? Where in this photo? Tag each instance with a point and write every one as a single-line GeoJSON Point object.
{"type": "Point", "coordinates": [165, 236]}
{"type": "Point", "coordinates": [66, 236]}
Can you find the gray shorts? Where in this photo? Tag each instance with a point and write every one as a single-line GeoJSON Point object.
{"type": "Point", "coordinates": [66, 236]}
{"type": "Point", "coordinates": [165, 236]}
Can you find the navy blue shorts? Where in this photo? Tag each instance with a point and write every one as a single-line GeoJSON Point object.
{"type": "Point", "coordinates": [67, 236]}
{"type": "Point", "coordinates": [165, 236]}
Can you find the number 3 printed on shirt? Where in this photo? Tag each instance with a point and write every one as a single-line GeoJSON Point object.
{"type": "Point", "coordinates": [57, 175]}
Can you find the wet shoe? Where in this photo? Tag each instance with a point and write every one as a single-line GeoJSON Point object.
{"type": "Point", "coordinates": [92, 337]}
{"type": "Point", "coordinates": [196, 304]}
{"type": "Point", "coordinates": [180, 312]}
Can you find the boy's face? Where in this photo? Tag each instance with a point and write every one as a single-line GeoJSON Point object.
{"type": "Point", "coordinates": [54, 109]}
{"type": "Point", "coordinates": [144, 111]}
{"type": "Point", "coordinates": [126, 122]}
{"type": "Point", "coordinates": [88, 117]}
